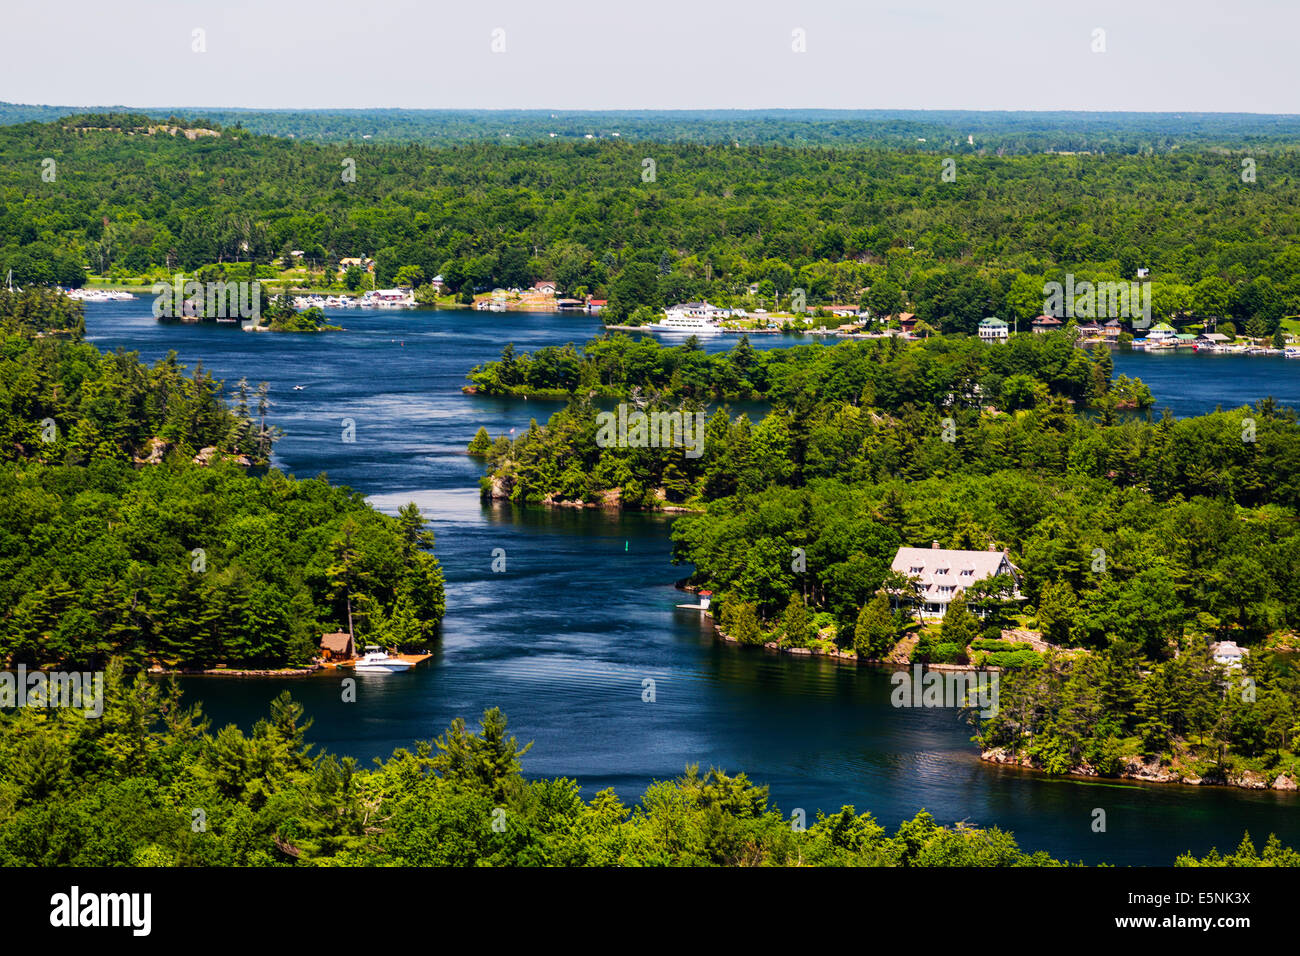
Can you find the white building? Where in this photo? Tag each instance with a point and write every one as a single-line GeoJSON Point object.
{"type": "Point", "coordinates": [1227, 653]}
{"type": "Point", "coordinates": [943, 574]}
{"type": "Point", "coordinates": [697, 310]}
{"type": "Point", "coordinates": [1163, 332]}
{"type": "Point", "coordinates": [992, 329]}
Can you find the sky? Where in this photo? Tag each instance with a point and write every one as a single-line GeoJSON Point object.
{"type": "Point", "coordinates": [1152, 55]}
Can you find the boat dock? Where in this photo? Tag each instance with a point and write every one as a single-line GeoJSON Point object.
{"type": "Point", "coordinates": [415, 660]}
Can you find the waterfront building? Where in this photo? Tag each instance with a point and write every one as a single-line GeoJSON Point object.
{"type": "Point", "coordinates": [942, 573]}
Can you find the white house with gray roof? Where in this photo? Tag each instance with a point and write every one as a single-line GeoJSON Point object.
{"type": "Point", "coordinates": [942, 574]}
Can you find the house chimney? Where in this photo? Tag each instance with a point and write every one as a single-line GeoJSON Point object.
{"type": "Point", "coordinates": [934, 544]}
{"type": "Point", "coordinates": [992, 546]}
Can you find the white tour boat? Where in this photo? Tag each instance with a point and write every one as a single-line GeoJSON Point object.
{"type": "Point", "coordinates": [687, 324]}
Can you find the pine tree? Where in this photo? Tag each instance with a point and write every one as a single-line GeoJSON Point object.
{"type": "Point", "coordinates": [796, 623]}
{"type": "Point", "coordinates": [414, 531]}
{"type": "Point", "coordinates": [482, 443]}
{"type": "Point", "coordinates": [875, 633]}
{"type": "Point", "coordinates": [1057, 612]}
{"type": "Point", "coordinates": [744, 625]}
{"type": "Point", "coordinates": [959, 625]}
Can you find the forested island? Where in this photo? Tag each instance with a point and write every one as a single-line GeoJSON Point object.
{"type": "Point", "coordinates": [1140, 541]}
{"type": "Point", "coordinates": [141, 521]}
{"type": "Point", "coordinates": [1025, 372]}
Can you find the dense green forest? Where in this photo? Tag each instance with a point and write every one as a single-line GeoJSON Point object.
{"type": "Point", "coordinates": [133, 527]}
{"type": "Point", "coordinates": [1100, 710]}
{"type": "Point", "coordinates": [150, 785]}
{"type": "Point", "coordinates": [876, 227]}
{"type": "Point", "coordinates": [66, 402]}
{"type": "Point", "coordinates": [1025, 371]}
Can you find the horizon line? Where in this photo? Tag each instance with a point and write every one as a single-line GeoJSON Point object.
{"type": "Point", "coordinates": [651, 109]}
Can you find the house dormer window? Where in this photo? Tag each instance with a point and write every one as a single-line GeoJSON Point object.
{"type": "Point", "coordinates": [967, 572]}
{"type": "Point", "coordinates": [915, 570]}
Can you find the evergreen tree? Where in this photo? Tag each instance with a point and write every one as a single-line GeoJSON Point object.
{"type": "Point", "coordinates": [875, 633]}
{"type": "Point", "coordinates": [481, 444]}
{"type": "Point", "coordinates": [744, 625]}
{"type": "Point", "coordinates": [959, 626]}
{"type": "Point", "coordinates": [796, 623]}
{"type": "Point", "coordinates": [1057, 612]}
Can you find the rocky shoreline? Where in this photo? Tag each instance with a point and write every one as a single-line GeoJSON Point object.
{"type": "Point", "coordinates": [1151, 771]}
{"type": "Point", "coordinates": [237, 672]}
{"type": "Point", "coordinates": [610, 499]}
{"type": "Point", "coordinates": [847, 657]}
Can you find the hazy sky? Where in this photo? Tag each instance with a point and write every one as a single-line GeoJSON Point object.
{"type": "Point", "coordinates": [658, 54]}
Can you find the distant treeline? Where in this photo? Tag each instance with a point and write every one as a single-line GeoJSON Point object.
{"type": "Point", "coordinates": [922, 130]}
{"type": "Point", "coordinates": [751, 223]}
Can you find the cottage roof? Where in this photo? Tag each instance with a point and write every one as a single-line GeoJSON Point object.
{"type": "Point", "coordinates": [1227, 649]}
{"type": "Point", "coordinates": [340, 642]}
{"type": "Point", "coordinates": [942, 567]}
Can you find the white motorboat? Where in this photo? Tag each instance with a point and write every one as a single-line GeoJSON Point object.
{"type": "Point", "coordinates": [98, 295]}
{"type": "Point", "coordinates": [376, 660]}
{"type": "Point", "coordinates": [388, 299]}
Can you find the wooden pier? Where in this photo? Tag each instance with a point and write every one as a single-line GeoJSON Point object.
{"type": "Point", "coordinates": [414, 659]}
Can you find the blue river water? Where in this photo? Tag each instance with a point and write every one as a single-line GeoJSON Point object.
{"type": "Point", "coordinates": [585, 611]}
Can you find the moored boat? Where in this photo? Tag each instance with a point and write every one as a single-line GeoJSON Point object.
{"type": "Point", "coordinates": [686, 324]}
{"type": "Point", "coordinates": [376, 660]}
